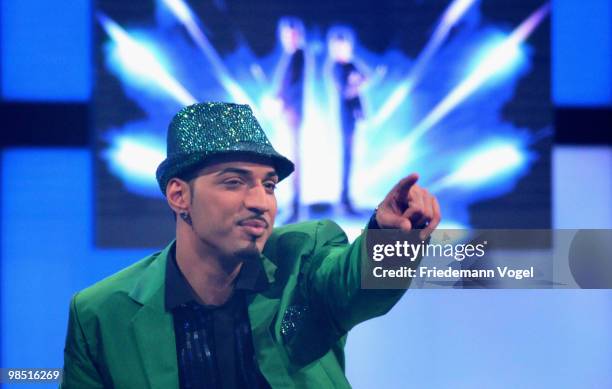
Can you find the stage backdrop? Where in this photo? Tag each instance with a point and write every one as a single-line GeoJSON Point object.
{"type": "Point", "coordinates": [358, 93]}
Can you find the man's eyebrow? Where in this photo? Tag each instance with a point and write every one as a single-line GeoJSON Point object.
{"type": "Point", "coordinates": [244, 172]}
{"type": "Point", "coordinates": [272, 174]}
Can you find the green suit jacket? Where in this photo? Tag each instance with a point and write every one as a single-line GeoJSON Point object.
{"type": "Point", "coordinates": [120, 335]}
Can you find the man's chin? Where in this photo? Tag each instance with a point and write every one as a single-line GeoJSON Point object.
{"type": "Point", "coordinates": [249, 252]}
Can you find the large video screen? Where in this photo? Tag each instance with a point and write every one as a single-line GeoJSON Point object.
{"type": "Point", "coordinates": [357, 93]}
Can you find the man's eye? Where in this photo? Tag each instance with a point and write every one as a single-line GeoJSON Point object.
{"type": "Point", "coordinates": [233, 182]}
{"type": "Point", "coordinates": [271, 186]}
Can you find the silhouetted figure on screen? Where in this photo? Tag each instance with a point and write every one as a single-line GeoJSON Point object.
{"type": "Point", "coordinates": [290, 93]}
{"type": "Point", "coordinates": [348, 80]}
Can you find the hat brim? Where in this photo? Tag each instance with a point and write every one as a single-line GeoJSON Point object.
{"type": "Point", "coordinates": [175, 166]}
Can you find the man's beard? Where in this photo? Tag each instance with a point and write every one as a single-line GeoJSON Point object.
{"type": "Point", "coordinates": [248, 253]}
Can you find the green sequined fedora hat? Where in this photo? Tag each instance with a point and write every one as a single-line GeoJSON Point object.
{"type": "Point", "coordinates": [203, 130]}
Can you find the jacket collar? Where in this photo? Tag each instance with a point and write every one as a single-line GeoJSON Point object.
{"type": "Point", "coordinates": [149, 290]}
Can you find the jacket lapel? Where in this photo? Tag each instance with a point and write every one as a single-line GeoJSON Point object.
{"type": "Point", "coordinates": [153, 327]}
{"type": "Point", "coordinates": [267, 306]}
{"type": "Point", "coordinates": [262, 310]}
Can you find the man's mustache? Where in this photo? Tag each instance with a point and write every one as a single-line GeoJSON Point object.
{"type": "Point", "coordinates": [257, 218]}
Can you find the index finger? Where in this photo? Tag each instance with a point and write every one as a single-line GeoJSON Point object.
{"type": "Point", "coordinates": [401, 188]}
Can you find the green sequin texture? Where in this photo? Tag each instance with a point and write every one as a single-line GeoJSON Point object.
{"type": "Point", "coordinates": [205, 129]}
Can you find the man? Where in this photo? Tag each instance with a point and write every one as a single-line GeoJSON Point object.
{"type": "Point", "coordinates": [348, 79]}
{"type": "Point", "coordinates": [232, 302]}
{"type": "Point", "coordinates": [290, 75]}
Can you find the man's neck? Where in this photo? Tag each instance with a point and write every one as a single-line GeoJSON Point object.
{"type": "Point", "coordinates": [212, 278]}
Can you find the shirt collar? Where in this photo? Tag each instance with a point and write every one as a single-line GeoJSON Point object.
{"type": "Point", "coordinates": [252, 278]}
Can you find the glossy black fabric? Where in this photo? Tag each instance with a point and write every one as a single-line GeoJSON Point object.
{"type": "Point", "coordinates": [213, 343]}
{"type": "Point", "coordinates": [349, 105]}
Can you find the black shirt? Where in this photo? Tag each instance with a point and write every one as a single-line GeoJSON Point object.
{"type": "Point", "coordinates": [342, 72]}
{"type": "Point", "coordinates": [214, 346]}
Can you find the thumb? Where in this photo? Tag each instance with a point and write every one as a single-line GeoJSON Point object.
{"type": "Point", "coordinates": [386, 219]}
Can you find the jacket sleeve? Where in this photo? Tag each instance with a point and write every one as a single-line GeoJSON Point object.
{"type": "Point", "coordinates": [335, 280]}
{"type": "Point", "coordinates": [79, 368]}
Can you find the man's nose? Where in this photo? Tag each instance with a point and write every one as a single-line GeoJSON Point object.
{"type": "Point", "coordinates": [256, 199]}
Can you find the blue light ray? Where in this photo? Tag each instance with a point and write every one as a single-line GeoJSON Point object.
{"type": "Point", "coordinates": [134, 158]}
{"type": "Point", "coordinates": [184, 14]}
{"type": "Point", "coordinates": [485, 166]}
{"type": "Point", "coordinates": [451, 16]}
{"type": "Point", "coordinates": [140, 64]}
{"type": "Point", "coordinates": [500, 59]}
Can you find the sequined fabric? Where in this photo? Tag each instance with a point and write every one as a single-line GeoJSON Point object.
{"type": "Point", "coordinates": [292, 320]}
{"type": "Point", "coordinates": [214, 347]}
{"type": "Point", "coordinates": [201, 130]}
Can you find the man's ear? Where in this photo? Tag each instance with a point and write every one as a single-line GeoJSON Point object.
{"type": "Point", "coordinates": [178, 195]}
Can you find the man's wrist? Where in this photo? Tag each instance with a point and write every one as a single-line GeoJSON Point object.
{"type": "Point", "coordinates": [372, 223]}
